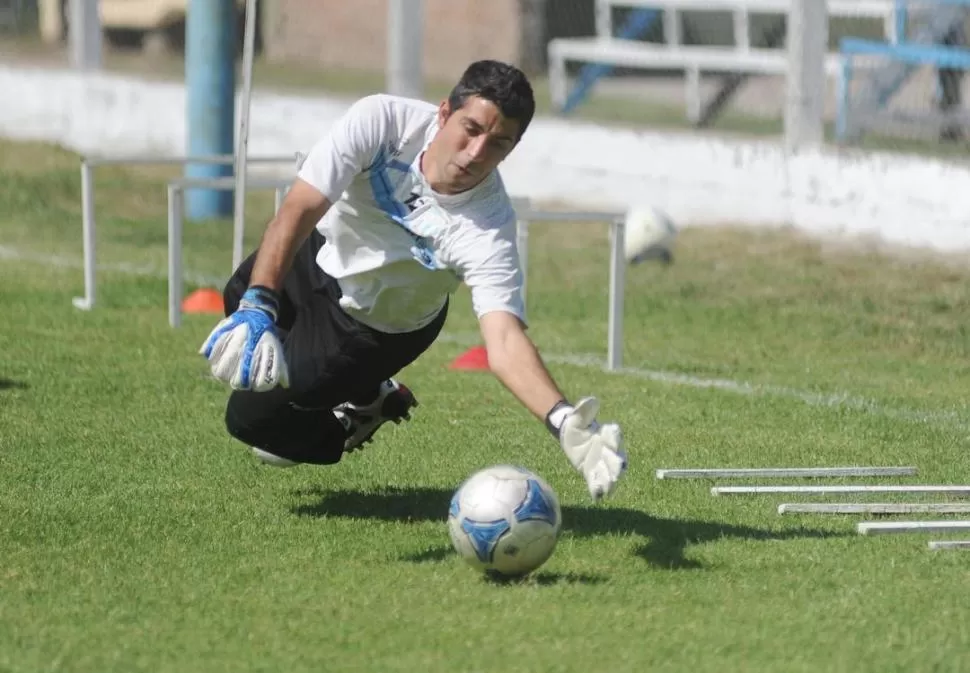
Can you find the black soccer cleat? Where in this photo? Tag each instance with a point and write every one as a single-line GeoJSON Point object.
{"type": "Point", "coordinates": [394, 403]}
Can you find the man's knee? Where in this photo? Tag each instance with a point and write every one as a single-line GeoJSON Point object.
{"type": "Point", "coordinates": [237, 425]}
{"type": "Point", "coordinates": [305, 436]}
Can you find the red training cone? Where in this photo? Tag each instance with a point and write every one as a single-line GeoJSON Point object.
{"type": "Point", "coordinates": [473, 359]}
{"type": "Point", "coordinates": [203, 301]}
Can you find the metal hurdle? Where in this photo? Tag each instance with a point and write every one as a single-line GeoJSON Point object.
{"type": "Point", "coordinates": [88, 221]}
{"type": "Point", "coordinates": [617, 271]}
{"type": "Point", "coordinates": [614, 357]}
{"type": "Point", "coordinates": [176, 202]}
{"type": "Point", "coordinates": [177, 187]}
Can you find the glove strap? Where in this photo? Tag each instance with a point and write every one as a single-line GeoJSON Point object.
{"type": "Point", "coordinates": [556, 416]}
{"type": "Point", "coordinates": [263, 298]}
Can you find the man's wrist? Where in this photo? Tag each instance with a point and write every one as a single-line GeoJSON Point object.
{"type": "Point", "coordinates": [556, 416]}
{"type": "Point", "coordinates": [264, 298]}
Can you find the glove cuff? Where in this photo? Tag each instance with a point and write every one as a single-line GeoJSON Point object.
{"type": "Point", "coordinates": [263, 298]}
{"type": "Point", "coordinates": [556, 416]}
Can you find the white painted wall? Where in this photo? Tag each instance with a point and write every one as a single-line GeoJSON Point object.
{"type": "Point", "coordinates": [697, 178]}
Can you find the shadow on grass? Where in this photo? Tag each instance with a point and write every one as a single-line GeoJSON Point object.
{"type": "Point", "coordinates": [667, 539]}
{"type": "Point", "coordinates": [540, 578]}
{"type": "Point", "coordinates": [8, 384]}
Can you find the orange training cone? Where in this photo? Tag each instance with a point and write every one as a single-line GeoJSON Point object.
{"type": "Point", "coordinates": [203, 301]}
{"type": "Point", "coordinates": [473, 359]}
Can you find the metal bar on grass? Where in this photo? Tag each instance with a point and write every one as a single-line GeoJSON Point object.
{"type": "Point", "coordinates": [948, 544]}
{"type": "Point", "coordinates": [785, 472]}
{"type": "Point", "coordinates": [868, 488]}
{"type": "Point", "coordinates": [873, 508]}
{"type": "Point", "coordinates": [890, 527]}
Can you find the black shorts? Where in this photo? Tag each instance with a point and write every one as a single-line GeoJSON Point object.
{"type": "Point", "coordinates": [332, 358]}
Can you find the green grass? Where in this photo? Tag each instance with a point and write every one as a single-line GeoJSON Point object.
{"type": "Point", "coordinates": [137, 536]}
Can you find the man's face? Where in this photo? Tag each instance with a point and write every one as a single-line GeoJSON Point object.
{"type": "Point", "coordinates": [471, 142]}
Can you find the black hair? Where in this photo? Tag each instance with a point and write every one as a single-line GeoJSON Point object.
{"type": "Point", "coordinates": [500, 83]}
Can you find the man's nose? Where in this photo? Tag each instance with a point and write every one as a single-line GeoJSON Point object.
{"type": "Point", "coordinates": [477, 147]}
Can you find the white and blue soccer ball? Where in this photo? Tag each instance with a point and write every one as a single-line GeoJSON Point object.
{"type": "Point", "coordinates": [649, 233]}
{"type": "Point", "coordinates": [505, 520]}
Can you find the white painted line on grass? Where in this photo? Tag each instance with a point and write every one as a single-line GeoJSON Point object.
{"type": "Point", "coordinates": [784, 472]}
{"type": "Point", "coordinates": [873, 508]}
{"type": "Point", "coordinates": [891, 527]}
{"type": "Point", "coordinates": [746, 490]}
{"type": "Point", "coordinates": [834, 400]}
{"type": "Point", "coordinates": [145, 270]}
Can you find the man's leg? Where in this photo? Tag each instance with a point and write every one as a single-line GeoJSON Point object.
{"type": "Point", "coordinates": [270, 422]}
{"type": "Point", "coordinates": [388, 400]}
{"type": "Point", "coordinates": [332, 359]}
{"type": "Point", "coordinates": [275, 421]}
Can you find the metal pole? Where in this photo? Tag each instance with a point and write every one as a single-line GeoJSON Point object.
{"type": "Point", "coordinates": [210, 87]}
{"type": "Point", "coordinates": [805, 96]}
{"type": "Point", "coordinates": [86, 303]}
{"type": "Point", "coordinates": [405, 19]}
{"type": "Point", "coordinates": [174, 255]}
{"type": "Point", "coordinates": [614, 356]}
{"type": "Point", "coordinates": [84, 34]}
{"type": "Point", "coordinates": [239, 211]}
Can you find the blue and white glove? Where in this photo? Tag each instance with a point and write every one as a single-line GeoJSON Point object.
{"type": "Point", "coordinates": [244, 349]}
{"type": "Point", "coordinates": [594, 449]}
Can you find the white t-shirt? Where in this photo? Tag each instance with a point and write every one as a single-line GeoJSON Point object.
{"type": "Point", "coordinates": [396, 247]}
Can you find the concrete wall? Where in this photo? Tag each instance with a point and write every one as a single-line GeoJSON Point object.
{"type": "Point", "coordinates": [700, 179]}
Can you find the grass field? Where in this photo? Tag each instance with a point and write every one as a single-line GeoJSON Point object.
{"type": "Point", "coordinates": [137, 536]}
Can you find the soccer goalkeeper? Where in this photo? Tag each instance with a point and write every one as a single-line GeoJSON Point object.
{"type": "Point", "coordinates": [394, 207]}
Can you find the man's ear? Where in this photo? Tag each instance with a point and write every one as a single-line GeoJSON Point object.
{"type": "Point", "coordinates": [444, 111]}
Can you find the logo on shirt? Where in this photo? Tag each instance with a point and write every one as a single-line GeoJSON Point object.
{"type": "Point", "coordinates": [413, 201]}
{"type": "Point", "coordinates": [424, 255]}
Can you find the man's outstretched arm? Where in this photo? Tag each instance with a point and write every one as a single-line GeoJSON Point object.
{"type": "Point", "coordinates": [243, 350]}
{"type": "Point", "coordinates": [595, 450]}
{"type": "Point", "coordinates": [514, 359]}
{"type": "Point", "coordinates": [301, 210]}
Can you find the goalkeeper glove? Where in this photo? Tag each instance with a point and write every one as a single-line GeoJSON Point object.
{"type": "Point", "coordinates": [244, 350]}
{"type": "Point", "coordinates": [595, 450]}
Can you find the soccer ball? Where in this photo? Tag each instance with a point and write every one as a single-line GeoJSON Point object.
{"type": "Point", "coordinates": [504, 520]}
{"type": "Point", "coordinates": [649, 234]}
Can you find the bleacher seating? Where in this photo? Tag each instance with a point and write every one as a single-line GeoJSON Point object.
{"type": "Point", "coordinates": [930, 33]}
{"type": "Point", "coordinates": [743, 56]}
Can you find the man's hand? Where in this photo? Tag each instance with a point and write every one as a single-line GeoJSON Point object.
{"type": "Point", "coordinates": [244, 350]}
{"type": "Point", "coordinates": [595, 450]}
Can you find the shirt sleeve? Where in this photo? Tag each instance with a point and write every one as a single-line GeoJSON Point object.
{"type": "Point", "coordinates": [348, 148]}
{"type": "Point", "coordinates": [493, 273]}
